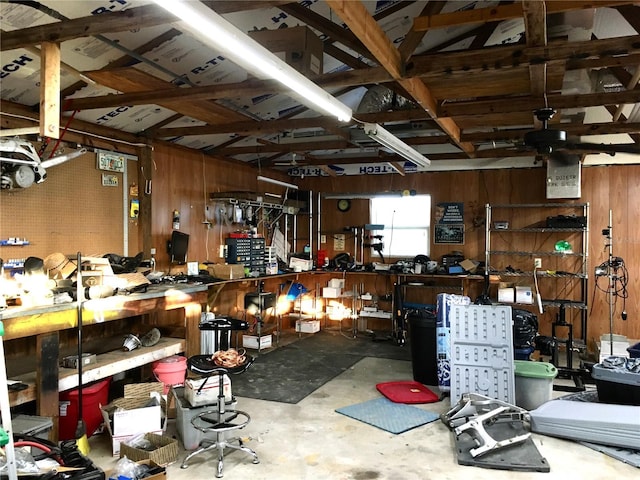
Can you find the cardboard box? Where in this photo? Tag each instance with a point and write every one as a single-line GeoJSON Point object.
{"type": "Point", "coordinates": [225, 271]}
{"type": "Point", "coordinates": [130, 416]}
{"type": "Point", "coordinates": [331, 292]}
{"type": "Point", "coordinates": [164, 450]}
{"type": "Point", "coordinates": [253, 341]}
{"type": "Point", "coordinates": [307, 326]}
{"type": "Point", "coordinates": [298, 46]}
{"type": "Point", "coordinates": [157, 476]}
{"type": "Point", "coordinates": [208, 395]}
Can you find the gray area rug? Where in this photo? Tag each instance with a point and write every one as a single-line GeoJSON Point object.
{"type": "Point", "coordinates": [389, 416]}
{"type": "Point", "coordinates": [290, 373]}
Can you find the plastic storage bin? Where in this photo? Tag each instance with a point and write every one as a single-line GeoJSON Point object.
{"type": "Point", "coordinates": [93, 395]}
{"type": "Point", "coordinates": [617, 385]}
{"type": "Point", "coordinates": [534, 383]}
{"type": "Point", "coordinates": [188, 434]}
{"type": "Point", "coordinates": [32, 426]}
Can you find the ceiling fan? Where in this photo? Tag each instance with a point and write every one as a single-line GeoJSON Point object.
{"type": "Point", "coordinates": [547, 141]}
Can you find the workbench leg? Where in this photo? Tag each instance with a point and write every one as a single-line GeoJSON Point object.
{"type": "Point", "coordinates": [192, 313]}
{"type": "Point", "coordinates": [47, 396]}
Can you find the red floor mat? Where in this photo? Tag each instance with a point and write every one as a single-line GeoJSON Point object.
{"type": "Point", "coordinates": [407, 392]}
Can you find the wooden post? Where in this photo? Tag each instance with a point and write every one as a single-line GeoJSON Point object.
{"type": "Point", "coordinates": [50, 90]}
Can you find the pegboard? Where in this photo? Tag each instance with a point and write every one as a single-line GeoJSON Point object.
{"type": "Point", "coordinates": [70, 212]}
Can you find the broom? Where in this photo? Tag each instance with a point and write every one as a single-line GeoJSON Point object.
{"type": "Point", "coordinates": [81, 429]}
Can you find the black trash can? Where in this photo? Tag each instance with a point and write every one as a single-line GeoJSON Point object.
{"type": "Point", "coordinates": [422, 338]}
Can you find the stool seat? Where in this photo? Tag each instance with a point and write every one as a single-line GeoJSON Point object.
{"type": "Point", "coordinates": [204, 366]}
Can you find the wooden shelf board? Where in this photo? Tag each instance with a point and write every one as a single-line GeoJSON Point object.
{"type": "Point", "coordinates": [108, 364]}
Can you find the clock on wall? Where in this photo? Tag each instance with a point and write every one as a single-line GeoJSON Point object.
{"type": "Point", "coordinates": [344, 204]}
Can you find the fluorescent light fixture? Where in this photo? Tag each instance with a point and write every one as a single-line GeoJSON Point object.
{"type": "Point", "coordinates": [277, 182]}
{"type": "Point", "coordinates": [237, 46]}
{"type": "Point", "coordinates": [393, 143]}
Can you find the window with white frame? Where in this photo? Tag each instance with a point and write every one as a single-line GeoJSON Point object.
{"type": "Point", "coordinates": [406, 221]}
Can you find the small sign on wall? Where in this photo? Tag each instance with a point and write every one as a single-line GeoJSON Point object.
{"type": "Point", "coordinates": [449, 213]}
{"type": "Point", "coordinates": [109, 180]}
{"type": "Point", "coordinates": [449, 234]}
{"type": "Point", "coordinates": [113, 162]}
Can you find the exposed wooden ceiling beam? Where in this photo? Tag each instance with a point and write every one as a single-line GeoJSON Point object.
{"type": "Point", "coordinates": [576, 129]}
{"type": "Point", "coordinates": [412, 39]}
{"type": "Point", "coordinates": [125, 60]}
{"type": "Point", "coordinates": [535, 28]}
{"type": "Point", "coordinates": [364, 26]}
{"type": "Point", "coordinates": [399, 167]}
{"type": "Point", "coordinates": [232, 6]}
{"type": "Point", "coordinates": [136, 80]}
{"type": "Point", "coordinates": [290, 147]}
{"type": "Point", "coordinates": [528, 103]}
{"type": "Point", "coordinates": [333, 31]}
{"type": "Point", "coordinates": [15, 115]}
{"type": "Point", "coordinates": [438, 66]}
{"type": "Point", "coordinates": [467, 62]}
{"type": "Point", "coordinates": [273, 126]}
{"type": "Point", "coordinates": [108, 22]}
{"type": "Point", "coordinates": [50, 90]}
{"type": "Point", "coordinates": [502, 12]}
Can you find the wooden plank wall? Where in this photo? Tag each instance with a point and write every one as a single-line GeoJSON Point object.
{"type": "Point", "coordinates": [71, 211]}
{"type": "Point", "coordinates": [614, 187]}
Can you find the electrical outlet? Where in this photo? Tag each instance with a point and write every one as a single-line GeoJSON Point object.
{"type": "Point", "coordinates": [537, 263]}
{"type": "Point", "coordinates": [323, 239]}
{"type": "Point", "coordinates": [222, 251]}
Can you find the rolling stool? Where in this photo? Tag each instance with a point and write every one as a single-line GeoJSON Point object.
{"type": "Point", "coordinates": [221, 420]}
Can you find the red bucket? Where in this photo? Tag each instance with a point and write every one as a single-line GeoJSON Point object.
{"type": "Point", "coordinates": [170, 371]}
{"type": "Point", "coordinates": [93, 396]}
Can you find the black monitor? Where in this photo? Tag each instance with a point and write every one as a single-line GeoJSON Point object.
{"type": "Point", "coordinates": [178, 246]}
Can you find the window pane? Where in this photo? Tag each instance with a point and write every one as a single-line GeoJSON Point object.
{"type": "Point", "coordinates": [406, 223]}
{"type": "Point", "coordinates": [406, 242]}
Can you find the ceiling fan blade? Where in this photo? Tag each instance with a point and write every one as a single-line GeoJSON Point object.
{"type": "Point", "coordinates": [611, 149]}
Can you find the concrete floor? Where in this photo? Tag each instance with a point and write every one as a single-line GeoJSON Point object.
{"type": "Point", "coordinates": [310, 440]}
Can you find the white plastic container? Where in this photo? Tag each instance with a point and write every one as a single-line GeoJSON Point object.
{"type": "Point", "coordinates": [307, 326]}
{"type": "Point", "coordinates": [534, 383]}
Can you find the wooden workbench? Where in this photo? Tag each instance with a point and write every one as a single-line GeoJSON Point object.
{"type": "Point", "coordinates": [45, 324]}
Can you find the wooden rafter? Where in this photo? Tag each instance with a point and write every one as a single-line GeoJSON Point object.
{"type": "Point", "coordinates": [502, 12]}
{"type": "Point", "coordinates": [439, 66]}
{"type": "Point", "coordinates": [359, 21]}
{"type": "Point", "coordinates": [49, 90]}
{"type": "Point", "coordinates": [108, 22]}
{"type": "Point", "coordinates": [535, 29]}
